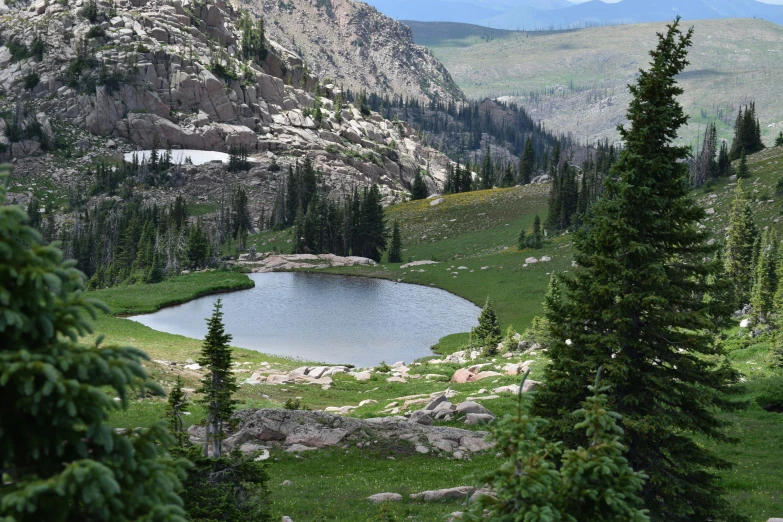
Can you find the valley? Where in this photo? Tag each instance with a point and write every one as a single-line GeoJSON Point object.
{"type": "Point", "coordinates": [377, 248]}
{"type": "Point", "coordinates": [575, 80]}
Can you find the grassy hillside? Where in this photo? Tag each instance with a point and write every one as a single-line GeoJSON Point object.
{"type": "Point", "coordinates": [575, 81]}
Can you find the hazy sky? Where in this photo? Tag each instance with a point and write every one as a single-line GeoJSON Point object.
{"type": "Point", "coordinates": [778, 2]}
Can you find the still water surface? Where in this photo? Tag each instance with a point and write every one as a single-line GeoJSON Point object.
{"type": "Point", "coordinates": [334, 319]}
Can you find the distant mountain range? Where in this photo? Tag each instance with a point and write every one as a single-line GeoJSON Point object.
{"type": "Point", "coordinates": [562, 14]}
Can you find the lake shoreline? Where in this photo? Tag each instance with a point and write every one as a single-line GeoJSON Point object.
{"type": "Point", "coordinates": [333, 318]}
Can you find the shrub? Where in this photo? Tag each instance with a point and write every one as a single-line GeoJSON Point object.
{"type": "Point", "coordinates": [112, 78]}
{"type": "Point", "coordinates": [383, 367]}
{"type": "Point", "coordinates": [295, 404]}
{"type": "Point", "coordinates": [771, 396]}
{"type": "Point", "coordinates": [90, 11]}
{"type": "Point", "coordinates": [30, 80]}
{"type": "Point", "coordinates": [37, 48]}
{"type": "Point", "coordinates": [19, 51]}
{"type": "Point", "coordinates": [96, 31]}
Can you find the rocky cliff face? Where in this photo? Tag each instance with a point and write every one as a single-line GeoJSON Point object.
{"type": "Point", "coordinates": [358, 47]}
{"type": "Point", "coordinates": [153, 72]}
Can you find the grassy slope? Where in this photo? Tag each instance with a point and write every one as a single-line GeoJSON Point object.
{"type": "Point", "coordinates": [730, 60]}
{"type": "Point", "coordinates": [471, 230]}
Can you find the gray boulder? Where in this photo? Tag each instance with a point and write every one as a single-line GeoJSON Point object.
{"type": "Point", "coordinates": [472, 407]}
{"type": "Point", "coordinates": [379, 498]}
{"type": "Point", "coordinates": [437, 495]}
{"type": "Point", "coordinates": [420, 417]}
{"type": "Point", "coordinates": [479, 418]}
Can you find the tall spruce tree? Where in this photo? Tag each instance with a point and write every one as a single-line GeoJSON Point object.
{"type": "Point", "coordinates": [395, 251]}
{"type": "Point", "coordinates": [219, 384]}
{"type": "Point", "coordinates": [60, 458]}
{"type": "Point", "coordinates": [738, 252]}
{"type": "Point", "coordinates": [635, 306]}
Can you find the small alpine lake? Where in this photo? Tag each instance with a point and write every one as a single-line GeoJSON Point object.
{"type": "Point", "coordinates": [327, 318]}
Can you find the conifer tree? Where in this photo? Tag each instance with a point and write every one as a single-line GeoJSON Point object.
{"type": "Point", "coordinates": [155, 273]}
{"type": "Point", "coordinates": [197, 246]}
{"type": "Point", "coordinates": [219, 384]}
{"type": "Point", "coordinates": [527, 162]}
{"type": "Point", "coordinates": [522, 240]}
{"type": "Point", "coordinates": [371, 225]}
{"type": "Point", "coordinates": [536, 239]}
{"type": "Point", "coordinates": [395, 251]}
{"type": "Point", "coordinates": [508, 177]}
{"type": "Point", "coordinates": [176, 406]}
{"type": "Point", "coordinates": [488, 333]}
{"type": "Point", "coordinates": [766, 282]}
{"type": "Point", "coordinates": [635, 306]}
{"type": "Point", "coordinates": [487, 172]}
{"type": "Point", "coordinates": [724, 162]}
{"type": "Point", "coordinates": [738, 252]}
{"type": "Point", "coordinates": [60, 458]}
{"type": "Point", "coordinates": [594, 483]}
{"type": "Point", "coordinates": [779, 140]}
{"type": "Point", "coordinates": [419, 187]}
{"type": "Point", "coordinates": [742, 170]}
{"type": "Point", "coordinates": [598, 482]}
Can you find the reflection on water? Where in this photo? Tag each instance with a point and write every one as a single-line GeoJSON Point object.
{"type": "Point", "coordinates": [335, 319]}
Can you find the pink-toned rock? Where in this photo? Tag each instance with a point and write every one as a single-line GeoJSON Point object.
{"type": "Point", "coordinates": [462, 375]}
{"type": "Point", "coordinates": [484, 375]}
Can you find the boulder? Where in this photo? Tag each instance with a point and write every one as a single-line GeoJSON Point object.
{"type": "Point", "coordinates": [317, 436]}
{"type": "Point", "coordinates": [384, 497]}
{"type": "Point", "coordinates": [434, 404]}
{"type": "Point", "coordinates": [511, 388]}
{"type": "Point", "coordinates": [514, 369]}
{"type": "Point", "coordinates": [484, 375]}
{"type": "Point", "coordinates": [315, 429]}
{"type": "Point", "coordinates": [299, 448]}
{"type": "Point", "coordinates": [530, 385]}
{"type": "Point", "coordinates": [479, 418]}
{"type": "Point", "coordinates": [361, 376]}
{"type": "Point", "coordinates": [474, 444]}
{"type": "Point", "coordinates": [420, 417]}
{"type": "Point", "coordinates": [472, 407]}
{"type": "Point", "coordinates": [462, 375]}
{"type": "Point", "coordinates": [437, 495]}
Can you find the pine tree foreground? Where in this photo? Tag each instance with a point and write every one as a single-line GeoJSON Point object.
{"type": "Point", "coordinates": [637, 307]}
{"type": "Point", "coordinates": [594, 483]}
{"type": "Point", "coordinates": [60, 459]}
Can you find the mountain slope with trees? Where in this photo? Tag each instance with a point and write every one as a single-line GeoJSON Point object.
{"type": "Point", "coordinates": [575, 81]}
